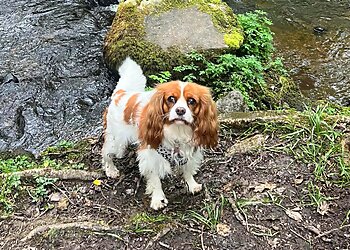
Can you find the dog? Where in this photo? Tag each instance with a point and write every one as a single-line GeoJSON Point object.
{"type": "Point", "coordinates": [171, 124]}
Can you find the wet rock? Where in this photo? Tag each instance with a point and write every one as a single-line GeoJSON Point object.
{"type": "Point", "coordinates": [318, 30]}
{"type": "Point", "coordinates": [158, 33]}
{"type": "Point", "coordinates": [10, 78]}
{"type": "Point", "coordinates": [55, 49]}
{"type": "Point", "coordinates": [232, 102]}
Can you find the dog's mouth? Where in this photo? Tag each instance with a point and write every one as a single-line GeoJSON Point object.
{"type": "Point", "coordinates": [180, 121]}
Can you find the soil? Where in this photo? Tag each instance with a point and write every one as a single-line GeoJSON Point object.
{"type": "Point", "coordinates": [266, 207]}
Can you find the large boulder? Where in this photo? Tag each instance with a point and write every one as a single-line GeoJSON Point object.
{"type": "Point", "coordinates": [157, 34]}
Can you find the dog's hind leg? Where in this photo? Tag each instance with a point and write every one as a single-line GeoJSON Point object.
{"type": "Point", "coordinates": [116, 139]}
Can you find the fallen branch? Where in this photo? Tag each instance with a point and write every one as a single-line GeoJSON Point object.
{"type": "Point", "coordinates": [81, 225]}
{"type": "Point", "coordinates": [66, 174]}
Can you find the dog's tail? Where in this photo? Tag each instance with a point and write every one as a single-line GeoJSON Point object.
{"type": "Point", "coordinates": [131, 76]}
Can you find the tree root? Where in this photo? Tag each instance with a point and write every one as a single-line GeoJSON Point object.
{"type": "Point", "coordinates": [66, 174]}
{"type": "Point", "coordinates": [85, 225]}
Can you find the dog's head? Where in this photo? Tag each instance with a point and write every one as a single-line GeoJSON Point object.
{"type": "Point", "coordinates": [184, 104]}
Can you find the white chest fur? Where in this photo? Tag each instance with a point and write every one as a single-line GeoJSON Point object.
{"type": "Point", "coordinates": [179, 135]}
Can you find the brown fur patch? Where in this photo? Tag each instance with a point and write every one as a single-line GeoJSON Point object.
{"type": "Point", "coordinates": [130, 108]}
{"type": "Point", "coordinates": [119, 96]}
{"type": "Point", "coordinates": [118, 92]}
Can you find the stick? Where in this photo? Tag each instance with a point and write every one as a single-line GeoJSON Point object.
{"type": "Point", "coordinates": [331, 231]}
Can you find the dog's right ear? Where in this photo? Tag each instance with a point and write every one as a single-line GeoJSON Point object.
{"type": "Point", "coordinates": [152, 122]}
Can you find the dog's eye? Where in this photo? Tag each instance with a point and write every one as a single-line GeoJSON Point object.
{"type": "Point", "coordinates": [171, 99]}
{"type": "Point", "coordinates": [191, 101]}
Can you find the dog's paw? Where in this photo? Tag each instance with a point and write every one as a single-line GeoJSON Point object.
{"type": "Point", "coordinates": [158, 202]}
{"type": "Point", "coordinates": [195, 188]}
{"type": "Point", "coordinates": [112, 172]}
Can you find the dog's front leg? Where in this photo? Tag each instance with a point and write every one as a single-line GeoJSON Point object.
{"type": "Point", "coordinates": [190, 169]}
{"type": "Point", "coordinates": [154, 167]}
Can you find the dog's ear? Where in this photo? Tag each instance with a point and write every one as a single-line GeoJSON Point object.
{"type": "Point", "coordinates": [206, 125]}
{"type": "Point", "coordinates": [152, 122]}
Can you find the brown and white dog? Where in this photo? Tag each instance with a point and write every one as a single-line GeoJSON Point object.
{"type": "Point", "coordinates": [171, 124]}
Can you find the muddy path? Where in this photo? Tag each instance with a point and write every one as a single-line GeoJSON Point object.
{"type": "Point", "coordinates": [260, 196]}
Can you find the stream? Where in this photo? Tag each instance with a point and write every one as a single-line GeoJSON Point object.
{"type": "Point", "coordinates": [313, 38]}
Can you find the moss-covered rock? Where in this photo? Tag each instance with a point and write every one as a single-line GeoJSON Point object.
{"type": "Point", "coordinates": [157, 34]}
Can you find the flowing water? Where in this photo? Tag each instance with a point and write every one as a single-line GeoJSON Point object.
{"type": "Point", "coordinates": [53, 81]}
{"type": "Point", "coordinates": [313, 37]}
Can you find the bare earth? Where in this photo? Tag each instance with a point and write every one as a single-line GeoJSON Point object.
{"type": "Point", "coordinates": [266, 207]}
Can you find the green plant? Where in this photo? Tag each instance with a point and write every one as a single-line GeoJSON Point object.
{"type": "Point", "coordinates": [8, 191]}
{"type": "Point", "coordinates": [210, 215]}
{"type": "Point", "coordinates": [315, 195]}
{"type": "Point", "coordinates": [258, 38]}
{"type": "Point", "coordinates": [146, 223]}
{"type": "Point", "coordinates": [16, 164]}
{"type": "Point", "coordinates": [40, 190]}
{"type": "Point", "coordinates": [161, 77]}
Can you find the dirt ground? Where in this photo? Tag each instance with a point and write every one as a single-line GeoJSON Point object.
{"type": "Point", "coordinates": [266, 207]}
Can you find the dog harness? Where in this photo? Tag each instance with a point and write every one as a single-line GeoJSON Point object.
{"type": "Point", "coordinates": [174, 155]}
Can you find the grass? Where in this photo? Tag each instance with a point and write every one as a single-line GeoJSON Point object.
{"type": "Point", "coordinates": [148, 223]}
{"type": "Point", "coordinates": [315, 140]}
{"type": "Point", "coordinates": [210, 214]}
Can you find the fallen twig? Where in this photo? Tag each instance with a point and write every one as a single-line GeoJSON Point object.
{"type": "Point", "coordinates": [98, 206]}
{"type": "Point", "coordinates": [331, 231]}
{"type": "Point", "coordinates": [65, 174]}
{"type": "Point", "coordinates": [202, 238]}
{"type": "Point", "coordinates": [158, 236]}
{"type": "Point", "coordinates": [85, 225]}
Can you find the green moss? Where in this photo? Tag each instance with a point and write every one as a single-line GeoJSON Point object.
{"type": "Point", "coordinates": [127, 34]}
{"type": "Point", "coordinates": [234, 40]}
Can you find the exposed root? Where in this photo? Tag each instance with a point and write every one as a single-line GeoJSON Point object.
{"type": "Point", "coordinates": [85, 225]}
{"type": "Point", "coordinates": [66, 174]}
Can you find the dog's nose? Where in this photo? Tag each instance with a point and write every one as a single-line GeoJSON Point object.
{"type": "Point", "coordinates": [180, 111]}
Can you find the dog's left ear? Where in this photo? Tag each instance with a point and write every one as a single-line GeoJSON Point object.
{"type": "Point", "coordinates": [152, 122]}
{"type": "Point", "coordinates": [206, 126]}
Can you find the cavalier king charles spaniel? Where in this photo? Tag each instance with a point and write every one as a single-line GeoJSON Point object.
{"type": "Point", "coordinates": [171, 124]}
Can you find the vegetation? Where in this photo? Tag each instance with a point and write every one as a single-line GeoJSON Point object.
{"type": "Point", "coordinates": [251, 70]}
{"type": "Point", "coordinates": [210, 214]}
{"type": "Point", "coordinates": [38, 188]}
{"type": "Point", "coordinates": [315, 139]}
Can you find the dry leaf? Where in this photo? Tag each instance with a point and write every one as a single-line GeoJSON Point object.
{"type": "Point", "coordinates": [227, 187]}
{"type": "Point", "coordinates": [280, 190]}
{"type": "Point", "coordinates": [294, 215]}
{"type": "Point", "coordinates": [298, 180]}
{"type": "Point", "coordinates": [323, 208]}
{"type": "Point", "coordinates": [55, 197]}
{"type": "Point", "coordinates": [261, 187]}
{"type": "Point", "coordinates": [63, 204]}
{"type": "Point", "coordinates": [274, 243]}
{"type": "Point", "coordinates": [223, 229]}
